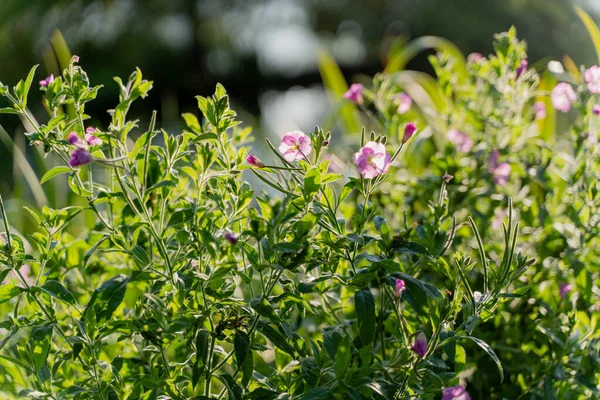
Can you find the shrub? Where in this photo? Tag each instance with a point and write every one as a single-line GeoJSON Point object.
{"type": "Point", "coordinates": [375, 283]}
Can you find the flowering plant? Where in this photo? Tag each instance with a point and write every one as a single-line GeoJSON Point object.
{"type": "Point", "coordinates": [189, 284]}
{"type": "Point", "coordinates": [497, 129]}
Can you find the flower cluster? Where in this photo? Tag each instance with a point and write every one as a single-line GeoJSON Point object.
{"type": "Point", "coordinates": [371, 160]}
{"type": "Point", "coordinates": [81, 155]}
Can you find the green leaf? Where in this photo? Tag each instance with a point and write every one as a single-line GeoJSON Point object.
{"type": "Point", "coordinates": [490, 352]}
{"type": "Point", "coordinates": [264, 308]}
{"type": "Point", "coordinates": [400, 56]}
{"type": "Point", "coordinates": [417, 292]}
{"type": "Point", "coordinates": [3, 274]}
{"type": "Point", "coordinates": [8, 110]}
{"type": "Point", "coordinates": [312, 183]}
{"type": "Point", "coordinates": [233, 388]}
{"type": "Point", "coordinates": [40, 340]}
{"type": "Point", "coordinates": [8, 291]}
{"type": "Point", "coordinates": [192, 122]}
{"type": "Point", "coordinates": [108, 297]}
{"type": "Point", "coordinates": [202, 341]}
{"type": "Point", "coordinates": [277, 338]}
{"type": "Point", "coordinates": [365, 313]}
{"type": "Point", "coordinates": [161, 184]}
{"type": "Point", "coordinates": [180, 217]}
{"type": "Point", "coordinates": [592, 29]}
{"type": "Point", "coordinates": [334, 82]}
{"type": "Point", "coordinates": [26, 87]}
{"type": "Point", "coordinates": [140, 256]}
{"type": "Point", "coordinates": [78, 189]}
{"type": "Point", "coordinates": [241, 345]}
{"type": "Point", "coordinates": [56, 289]}
{"type": "Point", "coordinates": [55, 172]}
{"type": "Point", "coordinates": [318, 393]}
{"type": "Point", "coordinates": [247, 369]}
{"type": "Point", "coordinates": [343, 356]}
{"type": "Point", "coordinates": [262, 394]}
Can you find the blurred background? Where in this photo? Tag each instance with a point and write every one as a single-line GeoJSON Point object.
{"type": "Point", "coordinates": [264, 52]}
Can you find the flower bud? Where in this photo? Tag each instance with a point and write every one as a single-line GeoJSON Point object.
{"type": "Point", "coordinates": [409, 130]}
{"type": "Point", "coordinates": [255, 161]}
{"type": "Point", "coordinates": [420, 345]}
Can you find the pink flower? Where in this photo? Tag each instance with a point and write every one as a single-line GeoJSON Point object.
{"type": "Point", "coordinates": [75, 59]}
{"type": "Point", "coordinates": [420, 345]}
{"type": "Point", "coordinates": [254, 161]}
{"type": "Point", "coordinates": [475, 57]}
{"type": "Point", "coordinates": [460, 140]}
{"type": "Point", "coordinates": [295, 146]}
{"type": "Point", "coordinates": [399, 288]}
{"type": "Point", "coordinates": [372, 160]}
{"type": "Point", "coordinates": [230, 237]}
{"type": "Point", "coordinates": [596, 109]}
{"type": "Point", "coordinates": [455, 393]}
{"type": "Point", "coordinates": [564, 289]}
{"type": "Point", "coordinates": [562, 97]}
{"type": "Point", "coordinates": [540, 110]}
{"type": "Point", "coordinates": [522, 67]}
{"type": "Point", "coordinates": [404, 103]}
{"type": "Point", "coordinates": [499, 171]}
{"type": "Point", "coordinates": [354, 94]}
{"type": "Point", "coordinates": [409, 130]}
{"type": "Point", "coordinates": [592, 78]}
{"type": "Point", "coordinates": [47, 81]}
{"type": "Point", "coordinates": [90, 138]}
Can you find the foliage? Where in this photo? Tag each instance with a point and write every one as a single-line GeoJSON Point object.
{"type": "Point", "coordinates": [546, 336]}
{"type": "Point", "coordinates": [190, 285]}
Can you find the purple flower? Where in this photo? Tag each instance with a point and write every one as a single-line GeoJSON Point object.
{"type": "Point", "coordinates": [354, 94]}
{"type": "Point", "coordinates": [404, 102]}
{"type": "Point", "coordinates": [499, 171]}
{"type": "Point", "coordinates": [91, 139]}
{"type": "Point", "coordinates": [372, 160]}
{"type": "Point", "coordinates": [409, 130]}
{"type": "Point", "coordinates": [455, 393]}
{"type": "Point", "coordinates": [80, 156]}
{"type": "Point", "coordinates": [254, 161]}
{"type": "Point", "coordinates": [522, 67]}
{"type": "Point", "coordinates": [592, 78]}
{"type": "Point", "coordinates": [596, 109]}
{"type": "Point", "coordinates": [540, 110]}
{"type": "Point", "coordinates": [420, 345]}
{"type": "Point", "coordinates": [76, 141]}
{"type": "Point", "coordinates": [295, 145]}
{"type": "Point", "coordinates": [460, 140]}
{"type": "Point", "coordinates": [564, 289]}
{"type": "Point", "coordinates": [230, 237]}
{"type": "Point", "coordinates": [399, 288]}
{"type": "Point", "coordinates": [47, 81]}
{"type": "Point", "coordinates": [447, 177]}
{"type": "Point", "coordinates": [562, 96]}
